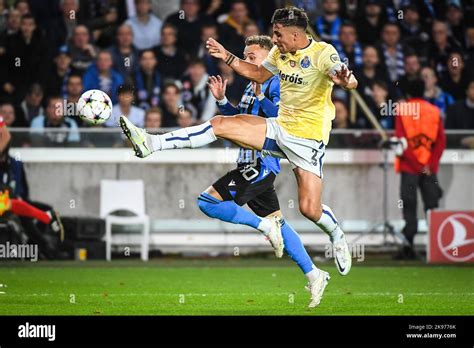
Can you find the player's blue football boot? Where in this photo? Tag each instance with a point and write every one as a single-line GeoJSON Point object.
{"type": "Point", "coordinates": [139, 138]}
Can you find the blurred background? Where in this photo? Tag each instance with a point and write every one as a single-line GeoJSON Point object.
{"type": "Point", "coordinates": [154, 52]}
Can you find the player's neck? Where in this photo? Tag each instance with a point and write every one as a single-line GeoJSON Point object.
{"type": "Point", "coordinates": [303, 43]}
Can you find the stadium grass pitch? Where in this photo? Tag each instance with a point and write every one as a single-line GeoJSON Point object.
{"type": "Point", "coordinates": [229, 287]}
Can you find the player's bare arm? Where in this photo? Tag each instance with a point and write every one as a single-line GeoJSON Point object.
{"type": "Point", "coordinates": [248, 70]}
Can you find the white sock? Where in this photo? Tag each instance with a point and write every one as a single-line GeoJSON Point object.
{"type": "Point", "coordinates": [313, 274]}
{"type": "Point", "coordinates": [189, 137]}
{"type": "Point", "coordinates": [265, 226]}
{"type": "Point", "coordinates": [329, 224]}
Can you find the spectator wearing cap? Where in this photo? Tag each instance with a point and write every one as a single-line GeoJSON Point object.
{"type": "Point", "coordinates": [31, 106]}
{"type": "Point", "coordinates": [61, 70]}
{"type": "Point", "coordinates": [328, 25]}
{"type": "Point", "coordinates": [208, 30]}
{"type": "Point", "coordinates": [188, 21]}
{"type": "Point", "coordinates": [153, 118]}
{"type": "Point", "coordinates": [232, 30]}
{"type": "Point", "coordinates": [349, 49]}
{"type": "Point", "coordinates": [147, 81]}
{"type": "Point", "coordinates": [82, 51]}
{"type": "Point", "coordinates": [433, 93]}
{"type": "Point", "coordinates": [124, 54]}
{"type": "Point", "coordinates": [28, 47]}
{"type": "Point", "coordinates": [196, 92]}
{"type": "Point", "coordinates": [171, 58]}
{"type": "Point", "coordinates": [101, 75]}
{"type": "Point", "coordinates": [125, 107]}
{"type": "Point", "coordinates": [457, 78]}
{"type": "Point", "coordinates": [370, 24]}
{"type": "Point", "coordinates": [145, 25]}
{"type": "Point", "coordinates": [66, 130]}
{"type": "Point", "coordinates": [460, 115]}
{"type": "Point", "coordinates": [441, 47]}
{"type": "Point", "coordinates": [391, 51]}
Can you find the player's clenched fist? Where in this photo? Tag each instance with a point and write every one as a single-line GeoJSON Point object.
{"type": "Point", "coordinates": [217, 86]}
{"type": "Point", "coordinates": [216, 49]}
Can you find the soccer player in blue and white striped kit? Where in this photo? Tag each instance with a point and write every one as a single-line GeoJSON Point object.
{"type": "Point", "coordinates": [252, 181]}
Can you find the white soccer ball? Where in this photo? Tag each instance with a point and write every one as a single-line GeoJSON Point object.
{"type": "Point", "coordinates": [94, 107]}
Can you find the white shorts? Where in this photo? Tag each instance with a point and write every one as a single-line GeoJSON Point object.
{"type": "Point", "coordinates": [307, 154]}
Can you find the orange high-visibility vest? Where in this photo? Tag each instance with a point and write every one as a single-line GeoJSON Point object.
{"type": "Point", "coordinates": [420, 120]}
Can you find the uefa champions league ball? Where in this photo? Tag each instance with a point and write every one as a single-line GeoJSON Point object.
{"type": "Point", "coordinates": [94, 107]}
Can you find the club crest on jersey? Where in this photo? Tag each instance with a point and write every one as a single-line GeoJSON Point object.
{"type": "Point", "coordinates": [305, 62]}
{"type": "Point", "coordinates": [292, 63]}
{"type": "Point", "coordinates": [282, 57]}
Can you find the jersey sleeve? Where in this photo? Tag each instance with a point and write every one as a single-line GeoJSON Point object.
{"type": "Point", "coordinates": [270, 63]}
{"type": "Point", "coordinates": [328, 60]}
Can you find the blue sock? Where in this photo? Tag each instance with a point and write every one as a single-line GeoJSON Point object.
{"type": "Point", "coordinates": [295, 249]}
{"type": "Point", "coordinates": [228, 211]}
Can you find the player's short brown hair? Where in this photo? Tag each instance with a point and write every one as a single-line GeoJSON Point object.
{"type": "Point", "coordinates": [291, 16]}
{"type": "Point", "coordinates": [263, 41]}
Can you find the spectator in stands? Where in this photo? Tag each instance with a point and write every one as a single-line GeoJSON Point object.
{"type": "Point", "coordinates": [418, 165]}
{"type": "Point", "coordinates": [81, 50]}
{"type": "Point", "coordinates": [391, 52]}
{"type": "Point", "coordinates": [460, 115]}
{"type": "Point", "coordinates": [7, 113]}
{"type": "Point", "coordinates": [145, 25]}
{"type": "Point", "coordinates": [469, 44]}
{"type": "Point", "coordinates": [349, 49]}
{"type": "Point", "coordinates": [457, 78]}
{"type": "Point", "coordinates": [342, 115]}
{"type": "Point", "coordinates": [171, 58]}
{"type": "Point", "coordinates": [147, 81]}
{"type": "Point", "coordinates": [208, 31]}
{"type": "Point", "coordinates": [232, 30]}
{"type": "Point", "coordinates": [250, 29]}
{"type": "Point", "coordinates": [170, 104]}
{"type": "Point", "coordinates": [235, 83]}
{"type": "Point", "coordinates": [101, 75]}
{"type": "Point", "coordinates": [441, 47]}
{"type": "Point", "coordinates": [185, 118]}
{"type": "Point", "coordinates": [26, 60]}
{"type": "Point", "coordinates": [327, 25]}
{"type": "Point", "coordinates": [433, 93]}
{"type": "Point", "coordinates": [380, 106]}
{"type": "Point", "coordinates": [31, 106]}
{"type": "Point", "coordinates": [23, 7]}
{"type": "Point", "coordinates": [370, 24]}
{"type": "Point", "coordinates": [103, 18]}
{"type": "Point", "coordinates": [153, 118]}
{"type": "Point", "coordinates": [412, 71]}
{"type": "Point", "coordinates": [74, 89]}
{"type": "Point", "coordinates": [196, 92]}
{"type": "Point", "coordinates": [126, 108]}
{"type": "Point", "coordinates": [61, 28]}
{"type": "Point", "coordinates": [124, 54]}
{"type": "Point", "coordinates": [54, 118]}
{"type": "Point", "coordinates": [189, 22]}
{"type": "Point", "coordinates": [62, 69]}
{"type": "Point", "coordinates": [454, 17]}
{"type": "Point", "coordinates": [414, 34]}
{"type": "Point", "coordinates": [3, 16]}
{"type": "Point", "coordinates": [13, 22]}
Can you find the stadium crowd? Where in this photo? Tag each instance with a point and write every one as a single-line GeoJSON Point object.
{"type": "Point", "coordinates": [150, 56]}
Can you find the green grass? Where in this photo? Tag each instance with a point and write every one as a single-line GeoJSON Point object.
{"type": "Point", "coordinates": [229, 287]}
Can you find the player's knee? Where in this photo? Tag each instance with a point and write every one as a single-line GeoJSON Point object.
{"type": "Point", "coordinates": [311, 209]}
{"type": "Point", "coordinates": [217, 123]}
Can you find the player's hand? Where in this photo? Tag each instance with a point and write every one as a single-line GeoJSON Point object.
{"type": "Point", "coordinates": [217, 86]}
{"type": "Point", "coordinates": [257, 88]}
{"type": "Point", "coordinates": [216, 49]}
{"type": "Point", "coordinates": [342, 77]}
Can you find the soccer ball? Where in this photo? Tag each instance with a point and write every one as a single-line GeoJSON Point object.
{"type": "Point", "coordinates": [94, 107]}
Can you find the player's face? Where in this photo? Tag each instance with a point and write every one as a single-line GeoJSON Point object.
{"type": "Point", "coordinates": [284, 38]}
{"type": "Point", "coordinates": [255, 54]}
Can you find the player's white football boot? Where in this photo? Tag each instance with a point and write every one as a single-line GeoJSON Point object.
{"type": "Point", "coordinates": [342, 256]}
{"type": "Point", "coordinates": [139, 138]}
{"type": "Point", "coordinates": [316, 288]}
{"type": "Point", "coordinates": [275, 237]}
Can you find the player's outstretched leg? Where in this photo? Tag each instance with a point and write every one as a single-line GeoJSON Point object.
{"type": "Point", "coordinates": [248, 131]}
{"type": "Point", "coordinates": [230, 211]}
